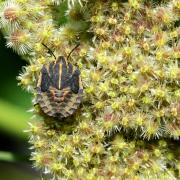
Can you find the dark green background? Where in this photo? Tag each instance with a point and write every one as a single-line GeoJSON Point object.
{"type": "Point", "coordinates": [14, 103]}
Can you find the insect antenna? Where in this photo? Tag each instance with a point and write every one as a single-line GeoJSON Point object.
{"type": "Point", "coordinates": [73, 50]}
{"type": "Point", "coordinates": [49, 50]}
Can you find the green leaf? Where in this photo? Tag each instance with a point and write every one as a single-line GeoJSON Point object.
{"type": "Point", "coordinates": [13, 119]}
{"type": "Point", "coordinates": [6, 156]}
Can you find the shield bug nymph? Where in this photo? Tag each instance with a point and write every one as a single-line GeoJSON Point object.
{"type": "Point", "coordinates": [59, 88]}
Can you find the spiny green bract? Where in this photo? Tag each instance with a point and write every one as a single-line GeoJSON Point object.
{"type": "Point", "coordinates": [129, 66]}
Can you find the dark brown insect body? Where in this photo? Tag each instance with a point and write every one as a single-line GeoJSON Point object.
{"type": "Point", "coordinates": [59, 89]}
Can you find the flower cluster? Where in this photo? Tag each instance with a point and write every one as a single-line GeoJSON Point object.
{"type": "Point", "coordinates": [136, 54]}
{"type": "Point", "coordinates": [85, 152]}
{"type": "Point", "coordinates": [128, 58]}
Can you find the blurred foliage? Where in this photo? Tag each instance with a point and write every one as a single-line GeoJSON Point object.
{"type": "Point", "coordinates": [16, 172]}
{"type": "Point", "coordinates": [6, 156]}
{"type": "Point", "coordinates": [13, 119]}
{"type": "Point", "coordinates": [14, 102]}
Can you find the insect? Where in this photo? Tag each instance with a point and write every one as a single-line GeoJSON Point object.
{"type": "Point", "coordinates": [59, 88]}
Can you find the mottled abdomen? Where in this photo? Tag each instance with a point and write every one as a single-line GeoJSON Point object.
{"type": "Point", "coordinates": [59, 89]}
